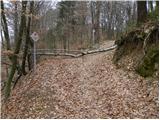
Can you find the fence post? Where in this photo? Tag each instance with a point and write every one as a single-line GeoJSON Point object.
{"type": "Point", "coordinates": [35, 38]}
{"type": "Point", "coordinates": [34, 55]}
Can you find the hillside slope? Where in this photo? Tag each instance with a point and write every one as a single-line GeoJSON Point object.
{"type": "Point", "coordinates": [139, 50]}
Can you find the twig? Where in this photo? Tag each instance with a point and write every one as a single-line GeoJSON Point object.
{"type": "Point", "coordinates": [144, 43]}
{"type": "Point", "coordinates": [16, 80]}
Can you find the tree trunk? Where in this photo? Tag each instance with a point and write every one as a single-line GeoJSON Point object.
{"type": "Point", "coordinates": [15, 23]}
{"type": "Point", "coordinates": [2, 39]}
{"type": "Point", "coordinates": [5, 27]}
{"type": "Point", "coordinates": [151, 6]}
{"type": "Point", "coordinates": [110, 17]}
{"type": "Point", "coordinates": [134, 15]}
{"type": "Point", "coordinates": [141, 11]}
{"type": "Point", "coordinates": [17, 49]}
{"type": "Point", "coordinates": [93, 24]}
{"type": "Point", "coordinates": [64, 42]}
{"type": "Point", "coordinates": [27, 38]}
{"type": "Point", "coordinates": [97, 31]}
{"type": "Point", "coordinates": [54, 43]}
{"type": "Point", "coordinates": [157, 3]}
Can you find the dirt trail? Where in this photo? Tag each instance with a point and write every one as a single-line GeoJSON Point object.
{"type": "Point", "coordinates": [86, 87]}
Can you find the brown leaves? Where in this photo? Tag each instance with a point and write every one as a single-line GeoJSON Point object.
{"type": "Point", "coordinates": [7, 53]}
{"type": "Point", "coordinates": [88, 87]}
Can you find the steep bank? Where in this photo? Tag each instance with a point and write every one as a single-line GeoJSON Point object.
{"type": "Point", "coordinates": [139, 50]}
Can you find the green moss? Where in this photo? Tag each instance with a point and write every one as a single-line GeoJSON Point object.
{"type": "Point", "coordinates": [154, 15]}
{"type": "Point", "coordinates": [147, 66]}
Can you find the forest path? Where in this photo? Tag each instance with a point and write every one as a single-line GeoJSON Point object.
{"type": "Point", "coordinates": [86, 87]}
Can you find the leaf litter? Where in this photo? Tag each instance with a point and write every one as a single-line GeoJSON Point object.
{"type": "Point", "coordinates": [86, 87]}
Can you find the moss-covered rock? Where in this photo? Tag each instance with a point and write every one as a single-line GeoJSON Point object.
{"type": "Point", "coordinates": [148, 65]}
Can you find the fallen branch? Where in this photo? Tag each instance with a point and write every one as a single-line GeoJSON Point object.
{"type": "Point", "coordinates": [99, 50]}
{"type": "Point", "coordinates": [80, 54]}
{"type": "Point", "coordinates": [55, 50]}
{"type": "Point", "coordinates": [60, 54]}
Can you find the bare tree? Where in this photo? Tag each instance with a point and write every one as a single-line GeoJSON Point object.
{"type": "Point", "coordinates": [17, 49]}
{"type": "Point", "coordinates": [95, 16]}
{"type": "Point", "coordinates": [151, 6]}
{"type": "Point", "coordinates": [141, 11]}
{"type": "Point", "coordinates": [5, 27]}
{"type": "Point", "coordinates": [15, 20]}
{"type": "Point", "coordinates": [97, 22]}
{"type": "Point", "coordinates": [27, 38]}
